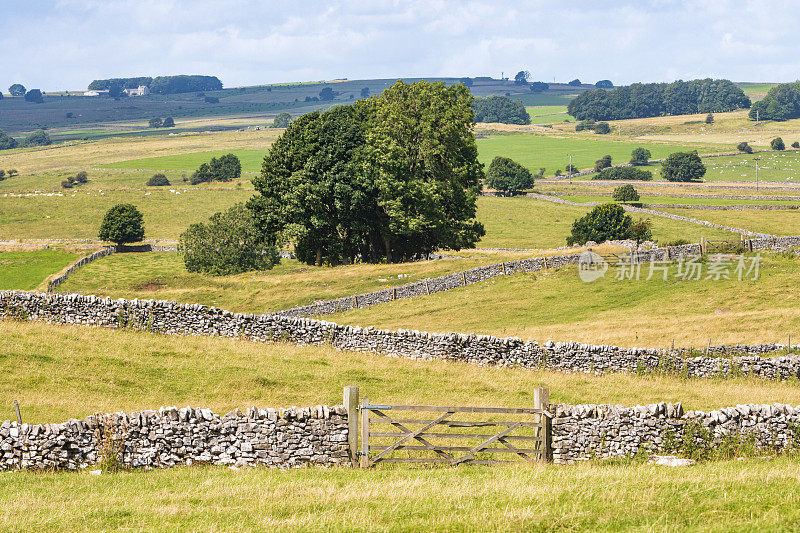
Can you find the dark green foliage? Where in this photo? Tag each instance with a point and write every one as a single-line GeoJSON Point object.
{"type": "Point", "coordinates": [37, 138]}
{"type": "Point", "coordinates": [211, 100]}
{"type": "Point", "coordinates": [641, 229]}
{"type": "Point", "coordinates": [683, 166]}
{"type": "Point", "coordinates": [17, 90]}
{"type": "Point", "coordinates": [158, 180]}
{"type": "Point", "coordinates": [625, 194]}
{"type": "Point", "coordinates": [13, 172]}
{"type": "Point", "coordinates": [744, 147]}
{"type": "Point", "coordinates": [508, 176]}
{"type": "Point", "coordinates": [522, 77]}
{"type": "Point", "coordinates": [223, 168]}
{"type": "Point", "coordinates": [777, 144]}
{"type": "Point", "coordinates": [585, 125]}
{"type": "Point", "coordinates": [327, 94]}
{"type": "Point", "coordinates": [122, 224]}
{"type": "Point", "coordinates": [7, 142]}
{"type": "Point", "coordinates": [81, 177]}
{"type": "Point", "coordinates": [782, 102]}
{"type": "Point", "coordinates": [34, 96]}
{"type": "Point", "coordinates": [538, 86]}
{"type": "Point", "coordinates": [119, 83]}
{"type": "Point", "coordinates": [500, 109]}
{"type": "Point", "coordinates": [624, 173]}
{"type": "Point", "coordinates": [575, 83]}
{"type": "Point", "coordinates": [656, 99]}
{"type": "Point", "coordinates": [796, 144]}
{"type": "Point", "coordinates": [229, 243]}
{"type": "Point", "coordinates": [603, 162]}
{"type": "Point", "coordinates": [570, 168]}
{"type": "Point", "coordinates": [66, 184]}
{"type": "Point", "coordinates": [184, 84]}
{"type": "Point", "coordinates": [282, 120]}
{"type": "Point", "coordinates": [156, 122]}
{"type": "Point", "coordinates": [388, 178]}
{"type": "Point", "coordinates": [640, 156]}
{"type": "Point", "coordinates": [602, 128]}
{"type": "Point", "coordinates": [710, 118]}
{"type": "Point", "coordinates": [603, 223]}
{"type": "Point", "coordinates": [604, 84]}
{"type": "Point", "coordinates": [169, 122]}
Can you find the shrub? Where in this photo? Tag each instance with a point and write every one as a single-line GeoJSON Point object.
{"type": "Point", "coordinates": [229, 243]}
{"type": "Point", "coordinates": [585, 125]}
{"type": "Point", "coordinates": [744, 147]}
{"type": "Point", "coordinates": [81, 177]}
{"type": "Point", "coordinates": [683, 166]}
{"type": "Point", "coordinates": [625, 194]}
{"type": "Point", "coordinates": [508, 176]}
{"type": "Point", "coordinates": [169, 122]}
{"type": "Point", "coordinates": [37, 138]}
{"type": "Point", "coordinates": [156, 122]}
{"type": "Point", "coordinates": [777, 144]}
{"type": "Point", "coordinates": [7, 142]}
{"type": "Point", "coordinates": [710, 118]}
{"type": "Point", "coordinates": [604, 222]}
{"type": "Point", "coordinates": [570, 168]}
{"type": "Point", "coordinates": [624, 173]}
{"type": "Point", "coordinates": [158, 180]}
{"type": "Point", "coordinates": [640, 156]}
{"type": "Point", "coordinates": [225, 168]}
{"type": "Point", "coordinates": [603, 162]}
{"type": "Point", "coordinates": [122, 224]}
{"type": "Point", "coordinates": [796, 144]}
{"type": "Point", "coordinates": [282, 120]}
{"type": "Point", "coordinates": [66, 184]}
{"type": "Point", "coordinates": [2, 175]}
{"type": "Point", "coordinates": [641, 230]}
{"type": "Point", "coordinates": [602, 128]}
{"type": "Point", "coordinates": [12, 172]}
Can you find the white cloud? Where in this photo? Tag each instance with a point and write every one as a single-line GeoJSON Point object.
{"type": "Point", "coordinates": [67, 43]}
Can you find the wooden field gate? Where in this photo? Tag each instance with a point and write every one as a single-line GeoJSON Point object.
{"type": "Point", "coordinates": [383, 433]}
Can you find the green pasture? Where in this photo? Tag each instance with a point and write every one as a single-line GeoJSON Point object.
{"type": "Point", "coordinates": [680, 200]}
{"type": "Point", "coordinates": [617, 309]}
{"type": "Point", "coordinates": [552, 153]}
{"type": "Point", "coordinates": [77, 213]}
{"type": "Point", "coordinates": [251, 161]}
{"type": "Point", "coordinates": [26, 270]}
{"type": "Point", "coordinates": [773, 167]}
{"type": "Point", "coordinates": [772, 222]}
{"type": "Point", "coordinates": [548, 114]}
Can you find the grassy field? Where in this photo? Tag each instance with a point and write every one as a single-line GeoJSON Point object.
{"type": "Point", "coordinates": [558, 305]}
{"type": "Point", "coordinates": [777, 222]}
{"type": "Point", "coordinates": [680, 200]}
{"type": "Point", "coordinates": [548, 114]}
{"type": "Point", "coordinates": [773, 166]}
{"type": "Point", "coordinates": [163, 276]}
{"type": "Point", "coordinates": [251, 161]}
{"type": "Point", "coordinates": [530, 223]}
{"type": "Point", "coordinates": [552, 152]}
{"type": "Point", "coordinates": [26, 270]}
{"type": "Point", "coordinates": [754, 495]}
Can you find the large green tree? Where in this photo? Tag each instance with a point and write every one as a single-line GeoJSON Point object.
{"type": "Point", "coordinates": [17, 90]}
{"type": "Point", "coordinates": [122, 224]}
{"type": "Point", "coordinates": [388, 178]}
{"type": "Point", "coordinates": [229, 243]}
{"type": "Point", "coordinates": [508, 176]}
{"type": "Point", "coordinates": [683, 166]}
{"type": "Point", "coordinates": [603, 223]}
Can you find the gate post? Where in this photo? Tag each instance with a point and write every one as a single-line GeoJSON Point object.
{"type": "Point", "coordinates": [541, 400]}
{"type": "Point", "coordinates": [350, 402]}
{"type": "Point", "coordinates": [364, 463]}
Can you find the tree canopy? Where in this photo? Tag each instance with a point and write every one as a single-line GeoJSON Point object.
{"type": "Point", "coordinates": [35, 96]}
{"type": "Point", "coordinates": [37, 138]}
{"type": "Point", "coordinates": [781, 102]}
{"type": "Point", "coordinates": [626, 194]}
{"type": "Point", "coordinates": [522, 77]}
{"type": "Point", "coordinates": [282, 120]}
{"type": "Point", "coordinates": [7, 142]}
{"type": "Point", "coordinates": [623, 173]}
{"type": "Point", "coordinates": [604, 84]}
{"type": "Point", "coordinates": [640, 156]}
{"type": "Point", "coordinates": [500, 109]}
{"type": "Point", "coordinates": [184, 84]}
{"type": "Point", "coordinates": [229, 243]}
{"type": "Point", "coordinates": [120, 83]}
{"type": "Point", "coordinates": [223, 168]}
{"type": "Point", "coordinates": [603, 223]}
{"type": "Point", "coordinates": [17, 90]}
{"type": "Point", "coordinates": [508, 176]}
{"type": "Point", "coordinates": [388, 178]}
{"type": "Point", "coordinates": [777, 144]}
{"type": "Point", "coordinates": [122, 224]}
{"type": "Point", "coordinates": [683, 166]}
{"type": "Point", "coordinates": [538, 86]}
{"type": "Point", "coordinates": [656, 99]}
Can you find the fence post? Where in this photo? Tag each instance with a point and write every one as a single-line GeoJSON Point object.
{"type": "Point", "coordinates": [350, 402]}
{"type": "Point", "coordinates": [464, 278]}
{"type": "Point", "coordinates": [541, 400]}
{"type": "Point", "coordinates": [427, 289]}
{"type": "Point", "coordinates": [364, 463]}
{"type": "Point", "coordinates": [16, 411]}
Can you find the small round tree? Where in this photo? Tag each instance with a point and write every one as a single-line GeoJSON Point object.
{"type": "Point", "coordinates": [6, 141]}
{"type": "Point", "coordinates": [640, 156]}
{"type": "Point", "coordinates": [603, 223]}
{"type": "Point", "coordinates": [744, 147]}
{"type": "Point", "coordinates": [158, 180]}
{"type": "Point", "coordinates": [641, 230]}
{"type": "Point", "coordinates": [777, 144]}
{"type": "Point", "coordinates": [625, 194]}
{"type": "Point", "coordinates": [122, 224]}
{"type": "Point", "coordinates": [508, 176]}
{"type": "Point", "coordinates": [82, 177]}
{"type": "Point", "coordinates": [710, 118]}
{"type": "Point", "coordinates": [683, 166]}
{"type": "Point", "coordinates": [603, 162]}
{"type": "Point", "coordinates": [169, 122]}
{"type": "Point", "coordinates": [282, 120]}
{"type": "Point", "coordinates": [796, 144]}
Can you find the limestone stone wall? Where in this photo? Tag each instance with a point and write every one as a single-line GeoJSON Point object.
{"type": "Point", "coordinates": [173, 436]}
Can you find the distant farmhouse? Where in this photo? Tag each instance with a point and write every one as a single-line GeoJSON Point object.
{"type": "Point", "coordinates": [142, 90]}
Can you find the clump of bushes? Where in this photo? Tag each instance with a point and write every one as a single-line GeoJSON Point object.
{"type": "Point", "coordinates": [625, 194]}
{"type": "Point", "coordinates": [282, 120]}
{"type": "Point", "coordinates": [603, 162]}
{"type": "Point", "coordinates": [37, 138]}
{"type": "Point", "coordinates": [7, 142]}
{"type": "Point", "coordinates": [777, 144]}
{"type": "Point", "coordinates": [624, 173]}
{"type": "Point", "coordinates": [78, 179]}
{"type": "Point", "coordinates": [603, 223]}
{"type": "Point", "coordinates": [158, 180]}
{"type": "Point", "coordinates": [602, 128]}
{"type": "Point", "coordinates": [744, 147]}
{"type": "Point", "coordinates": [225, 168]}
{"type": "Point", "coordinates": [640, 156]}
{"type": "Point", "coordinates": [796, 144]}
{"type": "Point", "coordinates": [156, 122]}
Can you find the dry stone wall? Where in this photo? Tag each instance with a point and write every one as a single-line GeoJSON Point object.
{"type": "Point", "coordinates": [172, 436]}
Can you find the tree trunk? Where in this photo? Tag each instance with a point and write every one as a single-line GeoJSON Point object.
{"type": "Point", "coordinates": [319, 257]}
{"type": "Point", "coordinates": [388, 246]}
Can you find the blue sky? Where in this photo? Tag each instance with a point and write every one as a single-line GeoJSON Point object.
{"type": "Point", "coordinates": [64, 44]}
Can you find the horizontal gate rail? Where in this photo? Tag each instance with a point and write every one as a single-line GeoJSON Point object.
{"type": "Point", "coordinates": [439, 434]}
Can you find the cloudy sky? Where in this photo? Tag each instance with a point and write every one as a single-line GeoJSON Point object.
{"type": "Point", "coordinates": [64, 44]}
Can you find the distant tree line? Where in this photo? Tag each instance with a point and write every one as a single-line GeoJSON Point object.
{"type": "Point", "coordinates": [782, 102]}
{"type": "Point", "coordinates": [159, 85]}
{"type": "Point", "coordinates": [500, 109]}
{"type": "Point", "coordinates": [656, 99]}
